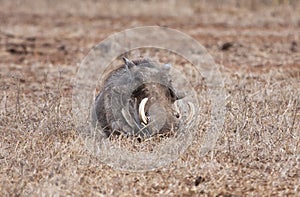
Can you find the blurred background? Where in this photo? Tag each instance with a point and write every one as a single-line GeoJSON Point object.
{"type": "Point", "coordinates": [236, 32]}
{"type": "Point", "coordinates": [153, 8]}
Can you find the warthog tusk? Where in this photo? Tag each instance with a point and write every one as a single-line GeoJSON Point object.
{"type": "Point", "coordinates": [142, 110]}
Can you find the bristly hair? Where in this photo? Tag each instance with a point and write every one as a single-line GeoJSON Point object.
{"type": "Point", "coordinates": [117, 105]}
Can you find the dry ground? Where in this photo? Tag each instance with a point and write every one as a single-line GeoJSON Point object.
{"type": "Point", "coordinates": [258, 152]}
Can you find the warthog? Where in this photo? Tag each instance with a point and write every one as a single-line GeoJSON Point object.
{"type": "Point", "coordinates": [137, 99]}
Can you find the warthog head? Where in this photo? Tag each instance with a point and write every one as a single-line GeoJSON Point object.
{"type": "Point", "coordinates": [137, 99]}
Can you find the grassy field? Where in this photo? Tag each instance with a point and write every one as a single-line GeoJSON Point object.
{"type": "Point", "coordinates": [256, 44]}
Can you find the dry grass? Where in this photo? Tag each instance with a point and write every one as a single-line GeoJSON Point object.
{"type": "Point", "coordinates": [257, 153]}
{"type": "Point", "coordinates": [258, 150]}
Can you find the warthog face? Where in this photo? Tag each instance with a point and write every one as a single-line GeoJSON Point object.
{"type": "Point", "coordinates": [137, 99]}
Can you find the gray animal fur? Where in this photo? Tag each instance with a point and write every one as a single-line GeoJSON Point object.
{"type": "Point", "coordinates": [116, 107]}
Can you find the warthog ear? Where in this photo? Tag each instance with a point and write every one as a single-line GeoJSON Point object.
{"type": "Point", "coordinates": [128, 63]}
{"type": "Point", "coordinates": [176, 95]}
